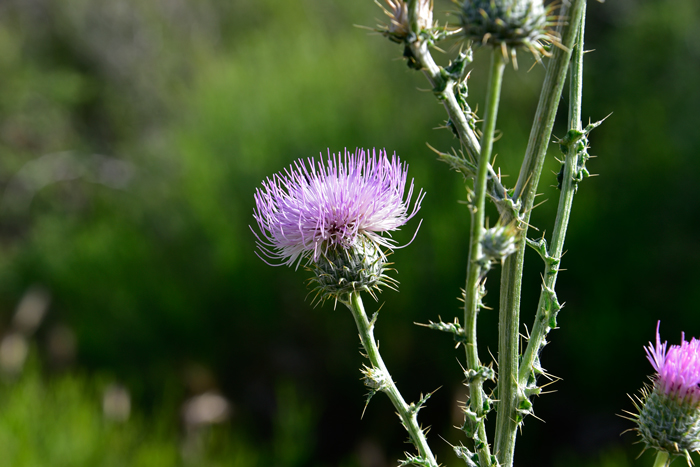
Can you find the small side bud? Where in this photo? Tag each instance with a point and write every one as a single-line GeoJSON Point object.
{"type": "Point", "coordinates": [399, 27]}
{"type": "Point", "coordinates": [374, 378]}
{"type": "Point", "coordinates": [499, 242]}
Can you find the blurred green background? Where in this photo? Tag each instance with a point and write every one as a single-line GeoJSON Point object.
{"type": "Point", "coordinates": [138, 326]}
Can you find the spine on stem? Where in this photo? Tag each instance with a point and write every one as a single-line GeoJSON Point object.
{"type": "Point", "coordinates": [575, 145]}
{"type": "Point", "coordinates": [377, 378]}
{"type": "Point", "coordinates": [513, 398]}
{"type": "Point", "coordinates": [476, 270]}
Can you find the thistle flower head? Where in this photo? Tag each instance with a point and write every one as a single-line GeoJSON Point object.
{"type": "Point", "coordinates": [677, 368]}
{"type": "Point", "coordinates": [669, 412]}
{"type": "Point", "coordinates": [399, 27]}
{"type": "Point", "coordinates": [509, 24]}
{"type": "Point", "coordinates": [331, 215]}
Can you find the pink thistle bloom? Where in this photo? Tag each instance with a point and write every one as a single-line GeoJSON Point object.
{"type": "Point", "coordinates": [669, 412]}
{"type": "Point", "coordinates": [677, 367]}
{"type": "Point", "coordinates": [307, 210]}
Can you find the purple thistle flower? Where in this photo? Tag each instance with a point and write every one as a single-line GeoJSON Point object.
{"type": "Point", "coordinates": [668, 418]}
{"type": "Point", "coordinates": [305, 211]}
{"type": "Point", "coordinates": [677, 368]}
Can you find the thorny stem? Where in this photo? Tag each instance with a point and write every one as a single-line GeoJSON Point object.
{"type": "Point", "coordinates": [407, 413]}
{"type": "Point", "coordinates": [548, 306]}
{"type": "Point", "coordinates": [443, 87]}
{"type": "Point", "coordinates": [508, 418]}
{"type": "Point", "coordinates": [476, 267]}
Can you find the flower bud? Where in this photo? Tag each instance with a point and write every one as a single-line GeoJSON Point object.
{"type": "Point", "coordinates": [508, 24]}
{"type": "Point", "coordinates": [399, 27]}
{"type": "Point", "coordinates": [375, 378]}
{"type": "Point", "coordinates": [499, 242]}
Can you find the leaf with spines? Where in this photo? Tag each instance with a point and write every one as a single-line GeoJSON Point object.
{"type": "Point", "coordinates": [453, 328]}
{"type": "Point", "coordinates": [414, 460]}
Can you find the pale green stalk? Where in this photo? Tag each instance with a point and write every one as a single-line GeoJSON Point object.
{"type": "Point", "coordinates": [545, 318]}
{"type": "Point", "coordinates": [477, 266]}
{"type": "Point", "coordinates": [407, 413]}
{"type": "Point", "coordinates": [508, 417]}
{"type": "Point", "coordinates": [662, 459]}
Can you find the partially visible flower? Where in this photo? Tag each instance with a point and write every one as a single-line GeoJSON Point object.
{"type": "Point", "coordinates": [331, 215]}
{"type": "Point", "coordinates": [399, 28]}
{"type": "Point", "coordinates": [669, 416]}
{"type": "Point", "coordinates": [509, 24]}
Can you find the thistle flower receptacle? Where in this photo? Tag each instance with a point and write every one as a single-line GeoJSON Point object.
{"type": "Point", "coordinates": [509, 24]}
{"type": "Point", "coordinates": [330, 215]}
{"type": "Point", "coordinates": [669, 411]}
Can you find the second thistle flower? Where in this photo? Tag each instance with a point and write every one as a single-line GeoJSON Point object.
{"type": "Point", "coordinates": [669, 413]}
{"type": "Point", "coordinates": [331, 215]}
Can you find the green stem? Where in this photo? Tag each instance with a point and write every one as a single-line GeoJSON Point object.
{"type": "Point", "coordinates": [508, 417]}
{"type": "Point", "coordinates": [662, 459]}
{"type": "Point", "coordinates": [547, 308]}
{"type": "Point", "coordinates": [443, 87]}
{"type": "Point", "coordinates": [407, 413]}
{"type": "Point", "coordinates": [477, 267]}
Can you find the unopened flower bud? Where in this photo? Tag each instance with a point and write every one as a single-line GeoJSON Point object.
{"type": "Point", "coordinates": [375, 378]}
{"type": "Point", "coordinates": [399, 27]}
{"type": "Point", "coordinates": [508, 24]}
{"type": "Point", "coordinates": [499, 242]}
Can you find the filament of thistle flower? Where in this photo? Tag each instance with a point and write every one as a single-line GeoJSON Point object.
{"type": "Point", "coordinates": [306, 209]}
{"type": "Point", "coordinates": [512, 271]}
{"type": "Point", "coordinates": [407, 415]}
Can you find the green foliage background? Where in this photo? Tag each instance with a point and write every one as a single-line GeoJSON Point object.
{"type": "Point", "coordinates": [132, 137]}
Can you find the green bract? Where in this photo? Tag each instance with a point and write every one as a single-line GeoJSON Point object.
{"type": "Point", "coordinates": [508, 24]}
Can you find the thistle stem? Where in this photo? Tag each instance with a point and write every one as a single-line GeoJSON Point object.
{"type": "Point", "coordinates": [476, 267]}
{"type": "Point", "coordinates": [407, 413]}
{"type": "Point", "coordinates": [662, 459]}
{"type": "Point", "coordinates": [548, 307]}
{"type": "Point", "coordinates": [508, 417]}
{"type": "Point", "coordinates": [443, 87]}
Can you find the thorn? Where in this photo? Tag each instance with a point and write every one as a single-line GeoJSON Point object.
{"type": "Point", "coordinates": [540, 204]}
{"type": "Point", "coordinates": [492, 357]}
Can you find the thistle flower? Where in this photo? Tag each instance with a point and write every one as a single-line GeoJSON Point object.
{"type": "Point", "coordinates": [331, 215]}
{"type": "Point", "coordinates": [669, 418]}
{"type": "Point", "coordinates": [509, 24]}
